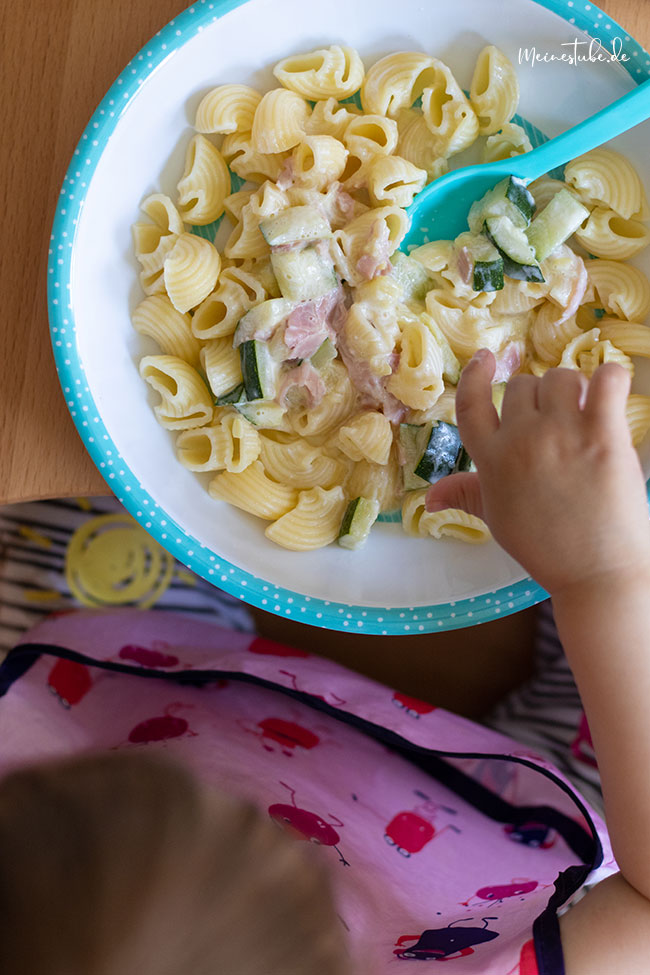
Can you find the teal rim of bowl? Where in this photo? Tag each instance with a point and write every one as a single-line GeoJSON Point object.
{"type": "Point", "coordinates": [122, 482]}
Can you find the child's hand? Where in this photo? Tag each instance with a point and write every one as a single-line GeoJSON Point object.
{"type": "Point", "coordinates": [559, 482]}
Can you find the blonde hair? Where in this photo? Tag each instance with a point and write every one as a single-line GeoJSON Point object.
{"type": "Point", "coordinates": [125, 865]}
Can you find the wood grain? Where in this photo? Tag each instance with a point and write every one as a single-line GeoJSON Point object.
{"type": "Point", "coordinates": [59, 58]}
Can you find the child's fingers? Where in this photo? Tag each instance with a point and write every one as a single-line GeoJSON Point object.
{"type": "Point", "coordinates": [561, 391]}
{"type": "Point", "coordinates": [456, 491]}
{"type": "Point", "coordinates": [475, 413]}
{"type": "Point", "coordinates": [520, 397]}
{"type": "Point", "coordinates": [607, 395]}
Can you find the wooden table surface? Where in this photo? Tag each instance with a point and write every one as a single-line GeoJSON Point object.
{"type": "Point", "coordinates": [59, 58]}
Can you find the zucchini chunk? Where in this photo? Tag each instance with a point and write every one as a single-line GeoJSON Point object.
{"type": "Point", "coordinates": [431, 451]}
{"type": "Point", "coordinates": [261, 321]}
{"type": "Point", "coordinates": [304, 274]}
{"type": "Point", "coordinates": [488, 263]}
{"type": "Point", "coordinates": [560, 218]}
{"type": "Point", "coordinates": [258, 370]}
{"type": "Point", "coordinates": [234, 396]}
{"type": "Point", "coordinates": [360, 515]}
{"type": "Point", "coordinates": [509, 198]}
{"type": "Point", "coordinates": [413, 278]}
{"type": "Point", "coordinates": [295, 225]}
{"type": "Point", "coordinates": [519, 259]}
{"type": "Point", "coordinates": [324, 354]}
{"type": "Point", "coordinates": [263, 413]}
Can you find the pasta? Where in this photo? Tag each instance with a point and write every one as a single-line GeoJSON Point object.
{"type": "Point", "coordinates": [306, 364]}
{"type": "Point", "coordinates": [205, 183]}
{"type": "Point", "coordinates": [494, 92]}
{"type": "Point", "coordinates": [335, 72]}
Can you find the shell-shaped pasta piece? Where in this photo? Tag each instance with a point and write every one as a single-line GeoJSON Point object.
{"type": "Point", "coordinates": [235, 203]}
{"type": "Point", "coordinates": [418, 380]}
{"type": "Point", "coordinates": [366, 436]}
{"type": "Point", "coordinates": [366, 244]}
{"type": "Point", "coordinates": [157, 318]}
{"type": "Point", "coordinates": [549, 339]}
{"type": "Point", "coordinates": [337, 403]}
{"type": "Point", "coordinates": [443, 409]}
{"type": "Point", "coordinates": [413, 508]}
{"type": "Point", "coordinates": [332, 72]}
{"type": "Point", "coordinates": [629, 337]}
{"type": "Point", "coordinates": [153, 241]}
{"type": "Point", "coordinates": [250, 164]}
{"type": "Point", "coordinates": [222, 365]}
{"type": "Point", "coordinates": [246, 240]}
{"type": "Point", "coordinates": [279, 122]}
{"type": "Point", "coordinates": [417, 145]}
{"type": "Point", "coordinates": [510, 141]}
{"type": "Point", "coordinates": [435, 256]}
{"type": "Point", "coordinates": [544, 189]}
{"type": "Point", "coordinates": [185, 400]}
{"type": "Point", "coordinates": [394, 180]}
{"type": "Point", "coordinates": [243, 442]}
{"type": "Point", "coordinates": [205, 183]}
{"type": "Point", "coordinates": [623, 290]}
{"type": "Point", "coordinates": [191, 270]}
{"type": "Point", "coordinates": [587, 351]}
{"type": "Point", "coordinates": [637, 411]}
{"type": "Point", "coordinates": [604, 177]}
{"type": "Point", "coordinates": [494, 91]}
{"type": "Point", "coordinates": [203, 449]}
{"type": "Point", "coordinates": [368, 341]}
{"type": "Point", "coordinates": [313, 523]}
{"type": "Point", "coordinates": [447, 112]}
{"type": "Point", "coordinates": [605, 234]}
{"type": "Point", "coordinates": [380, 482]}
{"type": "Point", "coordinates": [396, 81]}
{"type": "Point", "coordinates": [465, 327]}
{"type": "Point", "coordinates": [227, 108]}
{"type": "Point", "coordinates": [300, 464]}
{"type": "Point", "coordinates": [237, 291]}
{"type": "Point", "coordinates": [456, 523]}
{"type": "Point", "coordinates": [254, 491]}
{"type": "Point", "coordinates": [318, 161]}
{"type": "Point", "coordinates": [516, 297]}
{"type": "Point", "coordinates": [330, 118]}
{"type": "Point", "coordinates": [370, 135]}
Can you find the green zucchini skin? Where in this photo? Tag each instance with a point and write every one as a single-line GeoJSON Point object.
{"type": "Point", "coordinates": [257, 370]}
{"type": "Point", "coordinates": [512, 269]}
{"type": "Point", "coordinates": [520, 195]}
{"type": "Point", "coordinates": [359, 517]}
{"type": "Point", "coordinates": [488, 275]}
{"type": "Point", "coordinates": [441, 453]}
{"type": "Point", "coordinates": [235, 395]}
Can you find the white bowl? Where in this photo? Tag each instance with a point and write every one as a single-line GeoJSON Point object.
{"type": "Point", "coordinates": [134, 145]}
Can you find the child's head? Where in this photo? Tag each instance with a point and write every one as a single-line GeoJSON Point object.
{"type": "Point", "coordinates": [125, 865]}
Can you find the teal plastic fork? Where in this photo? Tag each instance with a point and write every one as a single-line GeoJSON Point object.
{"type": "Point", "coordinates": [439, 211]}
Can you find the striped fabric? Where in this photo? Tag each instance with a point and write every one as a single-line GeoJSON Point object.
{"type": "Point", "coordinates": [546, 713]}
{"type": "Point", "coordinates": [35, 545]}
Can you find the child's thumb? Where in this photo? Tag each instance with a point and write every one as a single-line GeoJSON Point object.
{"type": "Point", "coordinates": [456, 491]}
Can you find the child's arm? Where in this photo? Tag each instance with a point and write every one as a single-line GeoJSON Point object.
{"type": "Point", "coordinates": [560, 486]}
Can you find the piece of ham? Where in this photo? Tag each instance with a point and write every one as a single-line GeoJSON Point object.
{"type": "Point", "coordinates": [465, 265]}
{"type": "Point", "coordinates": [374, 259]}
{"type": "Point", "coordinates": [310, 323]}
{"type": "Point", "coordinates": [308, 379]}
{"type": "Point", "coordinates": [287, 175]}
{"type": "Point", "coordinates": [370, 387]}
